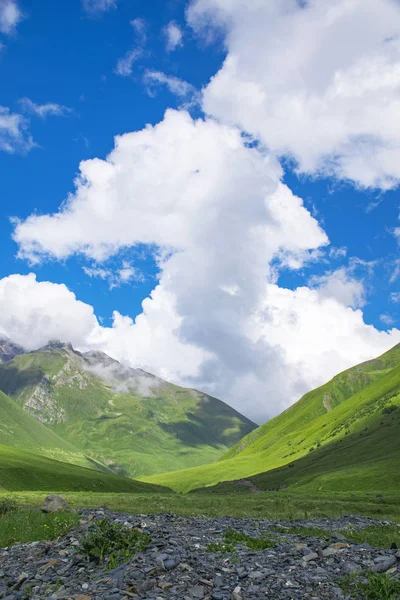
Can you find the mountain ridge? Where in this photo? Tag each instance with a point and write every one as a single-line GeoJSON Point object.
{"type": "Point", "coordinates": [127, 419]}
{"type": "Point", "coordinates": [361, 398]}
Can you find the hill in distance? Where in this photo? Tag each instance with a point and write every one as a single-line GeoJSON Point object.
{"type": "Point", "coordinates": [23, 471]}
{"type": "Point", "coordinates": [22, 431]}
{"type": "Point", "coordinates": [124, 418]}
{"type": "Point", "coordinates": [341, 436]}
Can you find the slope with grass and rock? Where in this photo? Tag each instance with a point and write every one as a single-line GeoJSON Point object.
{"type": "Point", "coordinates": [22, 431]}
{"type": "Point", "coordinates": [124, 418]}
{"type": "Point", "coordinates": [24, 471]}
{"type": "Point", "coordinates": [342, 436]}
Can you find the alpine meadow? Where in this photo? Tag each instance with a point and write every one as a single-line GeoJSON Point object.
{"type": "Point", "coordinates": [199, 300]}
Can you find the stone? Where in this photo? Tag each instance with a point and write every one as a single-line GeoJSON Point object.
{"type": "Point", "coordinates": [384, 565]}
{"type": "Point", "coordinates": [310, 557]}
{"type": "Point", "coordinates": [237, 594]}
{"type": "Point", "coordinates": [53, 503]}
{"type": "Point", "coordinates": [351, 568]}
{"type": "Point", "coordinates": [197, 591]}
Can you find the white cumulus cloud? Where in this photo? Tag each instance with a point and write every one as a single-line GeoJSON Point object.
{"type": "Point", "coordinates": [223, 222]}
{"type": "Point", "coordinates": [341, 285]}
{"type": "Point", "coordinates": [318, 81]}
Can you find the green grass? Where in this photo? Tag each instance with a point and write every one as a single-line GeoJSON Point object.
{"type": "Point", "coordinates": [22, 471]}
{"type": "Point", "coordinates": [113, 543]}
{"type": "Point", "coordinates": [234, 537]}
{"type": "Point", "coordinates": [33, 525]}
{"type": "Point", "coordinates": [20, 430]}
{"type": "Point", "coordinates": [378, 536]}
{"type": "Point", "coordinates": [219, 548]}
{"type": "Point", "coordinates": [305, 531]}
{"type": "Point", "coordinates": [376, 587]}
{"type": "Point", "coordinates": [170, 428]}
{"type": "Point", "coordinates": [269, 505]}
{"type": "Point", "coordinates": [354, 446]}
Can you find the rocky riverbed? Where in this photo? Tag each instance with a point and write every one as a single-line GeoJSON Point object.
{"type": "Point", "coordinates": [178, 562]}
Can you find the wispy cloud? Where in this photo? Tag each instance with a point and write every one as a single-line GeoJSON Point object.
{"type": "Point", "coordinates": [14, 134]}
{"type": "Point", "coordinates": [174, 36]}
{"type": "Point", "coordinates": [125, 64]}
{"type": "Point", "coordinates": [115, 278]}
{"type": "Point", "coordinates": [386, 319]}
{"type": "Point", "coordinates": [395, 297]}
{"type": "Point", "coordinates": [178, 87]}
{"type": "Point", "coordinates": [98, 6]}
{"type": "Point", "coordinates": [395, 270]}
{"type": "Point", "coordinates": [10, 16]}
{"type": "Point", "coordinates": [44, 110]}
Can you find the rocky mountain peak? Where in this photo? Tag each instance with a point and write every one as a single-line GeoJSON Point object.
{"type": "Point", "coordinates": [56, 345]}
{"type": "Point", "coordinates": [8, 349]}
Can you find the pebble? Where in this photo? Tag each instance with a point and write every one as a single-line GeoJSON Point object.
{"type": "Point", "coordinates": [177, 565]}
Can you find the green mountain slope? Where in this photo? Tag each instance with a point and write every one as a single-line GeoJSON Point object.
{"type": "Point", "coordinates": [20, 430]}
{"type": "Point", "coordinates": [22, 471]}
{"type": "Point", "coordinates": [125, 418]}
{"type": "Point", "coordinates": [328, 430]}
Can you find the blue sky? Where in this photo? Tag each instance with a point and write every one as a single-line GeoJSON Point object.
{"type": "Point", "coordinates": [69, 85]}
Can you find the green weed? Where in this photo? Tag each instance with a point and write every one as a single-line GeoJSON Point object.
{"type": "Point", "coordinates": [113, 543]}
{"type": "Point", "coordinates": [220, 548]}
{"type": "Point", "coordinates": [376, 587]}
{"type": "Point", "coordinates": [304, 531]}
{"type": "Point", "coordinates": [379, 536]}
{"type": "Point", "coordinates": [253, 543]}
{"type": "Point", "coordinates": [33, 525]}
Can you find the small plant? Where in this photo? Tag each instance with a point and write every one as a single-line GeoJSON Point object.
{"type": "Point", "coordinates": [251, 542]}
{"type": "Point", "coordinates": [220, 548]}
{"type": "Point", "coordinates": [377, 587]}
{"type": "Point", "coordinates": [389, 409]}
{"type": "Point", "coordinates": [113, 543]}
{"type": "Point", "coordinates": [7, 505]}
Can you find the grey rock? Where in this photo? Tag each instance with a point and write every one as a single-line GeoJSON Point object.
{"type": "Point", "coordinates": [384, 565]}
{"type": "Point", "coordinates": [53, 503]}
{"type": "Point", "coordinates": [197, 591]}
{"type": "Point", "coordinates": [338, 593]}
{"type": "Point", "coordinates": [351, 568]}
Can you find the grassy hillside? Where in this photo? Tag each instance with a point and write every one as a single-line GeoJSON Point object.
{"type": "Point", "coordinates": [22, 471]}
{"type": "Point", "coordinates": [344, 431]}
{"type": "Point", "coordinates": [20, 430]}
{"type": "Point", "coordinates": [125, 418]}
{"type": "Point", "coordinates": [316, 403]}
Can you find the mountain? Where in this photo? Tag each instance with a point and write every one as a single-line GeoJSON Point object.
{"type": "Point", "coordinates": [23, 471]}
{"type": "Point", "coordinates": [127, 419]}
{"type": "Point", "coordinates": [8, 349]}
{"type": "Point", "coordinates": [20, 430]}
{"type": "Point", "coordinates": [343, 434]}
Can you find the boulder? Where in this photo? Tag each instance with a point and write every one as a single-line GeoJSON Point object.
{"type": "Point", "coordinates": [53, 503]}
